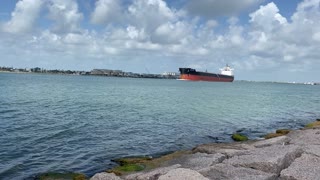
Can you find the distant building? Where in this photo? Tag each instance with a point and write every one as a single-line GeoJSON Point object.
{"type": "Point", "coordinates": [36, 69]}
{"type": "Point", "coordinates": [169, 74]}
{"type": "Point", "coordinates": [105, 72]}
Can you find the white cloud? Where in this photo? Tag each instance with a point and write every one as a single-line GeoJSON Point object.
{"type": "Point", "coordinates": [316, 36]}
{"type": "Point", "coordinates": [23, 17]}
{"type": "Point", "coordinates": [211, 23]}
{"type": "Point", "coordinates": [215, 8]}
{"type": "Point", "coordinates": [305, 22]}
{"type": "Point", "coordinates": [149, 14]}
{"type": "Point", "coordinates": [65, 15]}
{"type": "Point", "coordinates": [267, 18]}
{"type": "Point", "coordinates": [286, 44]}
{"type": "Point", "coordinates": [134, 33]}
{"type": "Point", "coordinates": [171, 33]}
{"type": "Point", "coordinates": [106, 11]}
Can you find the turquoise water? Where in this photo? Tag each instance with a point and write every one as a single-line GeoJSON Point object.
{"type": "Point", "coordinates": [79, 123]}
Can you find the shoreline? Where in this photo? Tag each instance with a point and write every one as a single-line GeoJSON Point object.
{"type": "Point", "coordinates": [251, 159]}
{"type": "Point", "coordinates": [146, 76]}
{"type": "Point", "coordinates": [135, 75]}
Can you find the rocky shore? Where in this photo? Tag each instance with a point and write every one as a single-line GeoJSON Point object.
{"type": "Point", "coordinates": [291, 156]}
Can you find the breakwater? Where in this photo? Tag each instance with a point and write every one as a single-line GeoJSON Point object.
{"type": "Point", "coordinates": [287, 157]}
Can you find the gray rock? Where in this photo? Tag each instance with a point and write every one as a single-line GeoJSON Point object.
{"type": "Point", "coordinates": [226, 172]}
{"type": "Point", "coordinates": [201, 160]}
{"type": "Point", "coordinates": [305, 137]}
{"type": "Point", "coordinates": [153, 174]}
{"type": "Point", "coordinates": [228, 149]}
{"type": "Point", "coordinates": [270, 159]}
{"type": "Point", "coordinates": [306, 167]}
{"type": "Point", "coordinates": [273, 141]}
{"type": "Point", "coordinates": [197, 161]}
{"type": "Point", "coordinates": [105, 176]}
{"type": "Point", "coordinates": [312, 149]}
{"type": "Point", "coordinates": [182, 174]}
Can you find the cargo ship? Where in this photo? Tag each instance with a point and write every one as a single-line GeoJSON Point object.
{"type": "Point", "coordinates": [226, 75]}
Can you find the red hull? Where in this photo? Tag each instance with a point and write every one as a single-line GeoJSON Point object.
{"type": "Point", "coordinates": [192, 77]}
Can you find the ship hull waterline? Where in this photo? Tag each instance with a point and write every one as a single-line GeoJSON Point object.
{"type": "Point", "coordinates": [192, 77]}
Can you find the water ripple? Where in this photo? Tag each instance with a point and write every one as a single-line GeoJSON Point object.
{"type": "Point", "coordinates": [76, 123]}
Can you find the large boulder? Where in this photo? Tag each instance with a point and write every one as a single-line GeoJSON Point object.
{"type": "Point", "coordinates": [306, 167]}
{"type": "Point", "coordinates": [228, 149]}
{"type": "Point", "coordinates": [270, 159]}
{"type": "Point", "coordinates": [226, 172]}
{"type": "Point", "coordinates": [153, 174]}
{"type": "Point", "coordinates": [182, 174]}
{"type": "Point", "coordinates": [312, 149]}
{"type": "Point", "coordinates": [201, 160]}
{"type": "Point", "coordinates": [305, 137]}
{"type": "Point", "coordinates": [105, 176]}
{"type": "Point", "coordinates": [197, 161]}
{"type": "Point", "coordinates": [273, 141]}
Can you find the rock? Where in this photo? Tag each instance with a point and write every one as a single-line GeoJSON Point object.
{"type": "Point", "coordinates": [226, 172]}
{"type": "Point", "coordinates": [313, 124]}
{"type": "Point", "coordinates": [182, 174]}
{"type": "Point", "coordinates": [306, 167]}
{"type": "Point", "coordinates": [228, 149]}
{"type": "Point", "coordinates": [305, 137]}
{"type": "Point", "coordinates": [154, 174]}
{"type": "Point", "coordinates": [274, 141]}
{"type": "Point", "coordinates": [312, 149]}
{"type": "Point", "coordinates": [132, 160]}
{"type": "Point", "coordinates": [126, 168]}
{"type": "Point", "coordinates": [200, 160]}
{"type": "Point", "coordinates": [105, 176]}
{"type": "Point", "coordinates": [135, 164]}
{"type": "Point", "coordinates": [282, 131]}
{"type": "Point", "coordinates": [270, 159]}
{"type": "Point", "coordinates": [129, 164]}
{"type": "Point", "coordinates": [272, 135]}
{"type": "Point", "coordinates": [239, 137]}
{"type": "Point", "coordinates": [279, 132]}
{"type": "Point", "coordinates": [63, 176]}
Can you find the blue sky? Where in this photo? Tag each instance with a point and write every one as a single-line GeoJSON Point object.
{"type": "Point", "coordinates": [262, 39]}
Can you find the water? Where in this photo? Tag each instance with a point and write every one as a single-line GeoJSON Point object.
{"type": "Point", "coordinates": [79, 123]}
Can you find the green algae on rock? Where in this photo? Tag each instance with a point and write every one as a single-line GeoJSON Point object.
{"type": "Point", "coordinates": [135, 164]}
{"type": "Point", "coordinates": [313, 124]}
{"type": "Point", "coordinates": [132, 160]}
{"type": "Point", "coordinates": [239, 137]}
{"type": "Point", "coordinates": [273, 135]}
{"type": "Point", "coordinates": [279, 132]}
{"type": "Point", "coordinates": [283, 131]}
{"type": "Point", "coordinates": [127, 168]}
{"type": "Point", "coordinates": [61, 176]}
{"type": "Point", "coordinates": [129, 164]}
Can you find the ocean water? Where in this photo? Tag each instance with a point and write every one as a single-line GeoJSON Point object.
{"type": "Point", "coordinates": [57, 123]}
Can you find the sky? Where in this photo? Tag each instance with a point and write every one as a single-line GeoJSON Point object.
{"type": "Point", "coordinates": [263, 40]}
